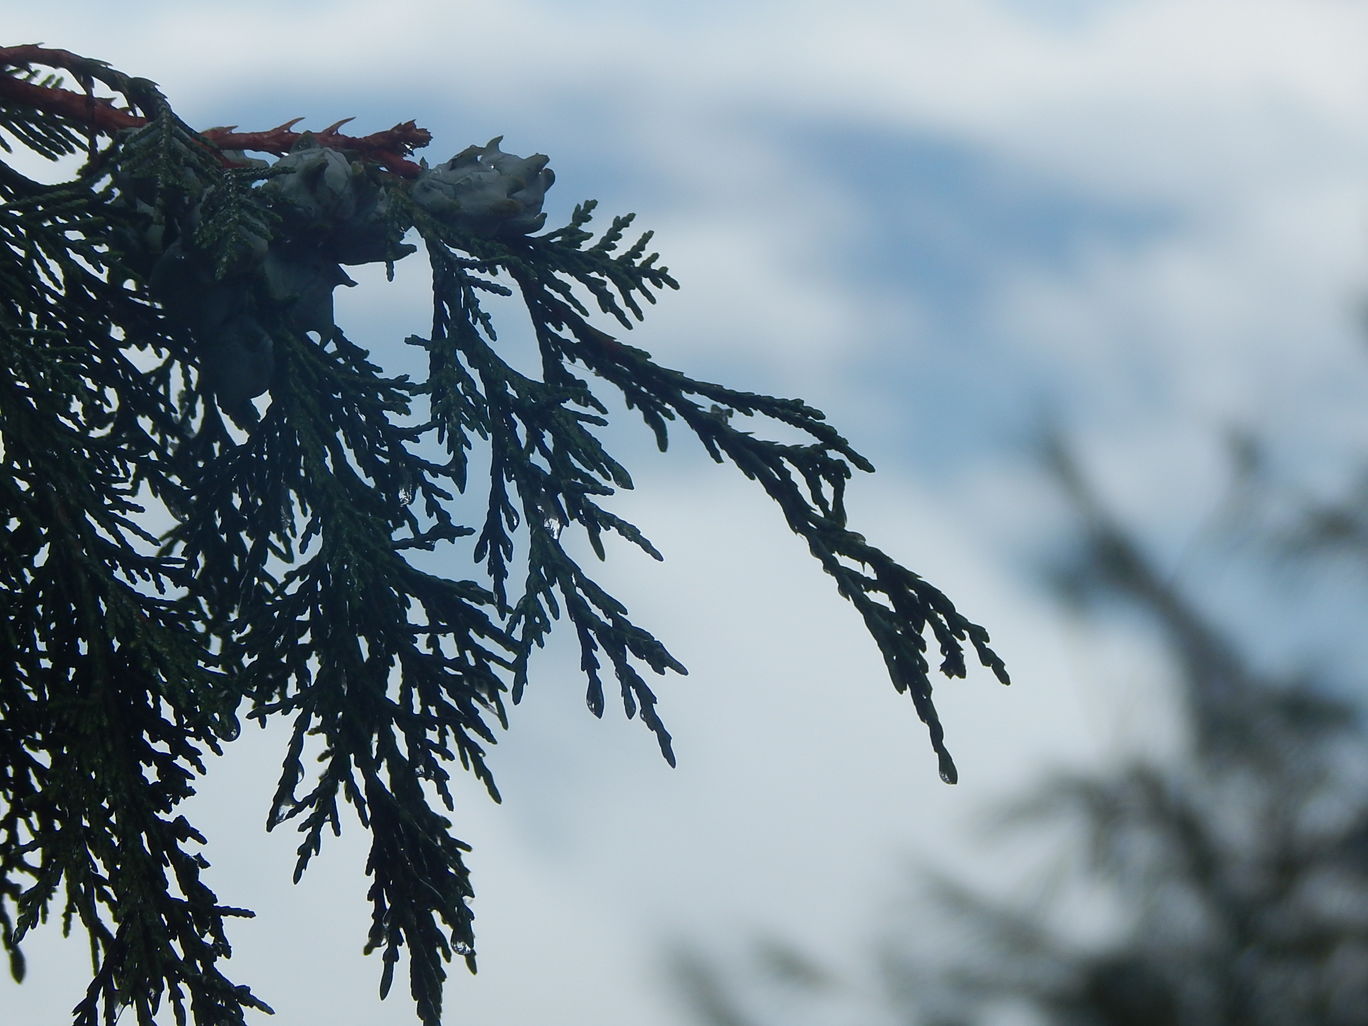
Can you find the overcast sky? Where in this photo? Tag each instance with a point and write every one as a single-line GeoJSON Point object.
{"type": "Point", "coordinates": [942, 223]}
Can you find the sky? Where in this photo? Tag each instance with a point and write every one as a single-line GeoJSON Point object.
{"type": "Point", "coordinates": [946, 225]}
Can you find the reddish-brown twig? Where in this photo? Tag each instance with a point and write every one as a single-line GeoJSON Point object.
{"type": "Point", "coordinates": [389, 148]}
{"type": "Point", "coordinates": [98, 113]}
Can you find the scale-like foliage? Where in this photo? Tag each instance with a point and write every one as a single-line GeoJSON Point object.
{"type": "Point", "coordinates": [164, 571]}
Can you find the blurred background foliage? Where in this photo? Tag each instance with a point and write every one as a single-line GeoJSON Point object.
{"type": "Point", "coordinates": [1222, 883]}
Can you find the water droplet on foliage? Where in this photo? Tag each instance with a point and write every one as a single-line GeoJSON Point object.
{"type": "Point", "coordinates": [948, 772]}
{"type": "Point", "coordinates": [228, 727]}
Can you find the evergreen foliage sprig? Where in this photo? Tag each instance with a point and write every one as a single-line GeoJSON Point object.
{"type": "Point", "coordinates": [164, 570]}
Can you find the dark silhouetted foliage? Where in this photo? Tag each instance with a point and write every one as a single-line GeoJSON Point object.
{"type": "Point", "coordinates": [216, 505]}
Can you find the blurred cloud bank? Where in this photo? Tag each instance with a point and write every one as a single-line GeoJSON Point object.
{"type": "Point", "coordinates": [942, 224]}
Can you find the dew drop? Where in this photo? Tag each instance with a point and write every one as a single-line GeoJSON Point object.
{"type": "Point", "coordinates": [948, 772]}
{"type": "Point", "coordinates": [279, 814]}
{"type": "Point", "coordinates": [228, 727]}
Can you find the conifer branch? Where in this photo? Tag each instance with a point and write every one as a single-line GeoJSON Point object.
{"type": "Point", "coordinates": [389, 148]}
{"type": "Point", "coordinates": [169, 349]}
